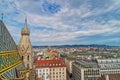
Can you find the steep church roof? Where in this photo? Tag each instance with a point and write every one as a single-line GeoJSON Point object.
{"type": "Point", "coordinates": [6, 40]}
{"type": "Point", "coordinates": [10, 60]}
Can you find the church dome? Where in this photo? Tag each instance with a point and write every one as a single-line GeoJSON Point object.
{"type": "Point", "coordinates": [25, 32]}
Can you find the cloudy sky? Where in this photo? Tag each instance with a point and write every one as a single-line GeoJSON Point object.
{"type": "Point", "coordinates": [58, 22]}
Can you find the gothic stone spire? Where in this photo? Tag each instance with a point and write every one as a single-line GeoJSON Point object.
{"type": "Point", "coordinates": [25, 30]}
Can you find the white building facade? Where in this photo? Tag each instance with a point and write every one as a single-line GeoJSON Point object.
{"type": "Point", "coordinates": [51, 69]}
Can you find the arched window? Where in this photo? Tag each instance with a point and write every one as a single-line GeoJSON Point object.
{"type": "Point", "coordinates": [28, 58]}
{"type": "Point", "coordinates": [22, 57]}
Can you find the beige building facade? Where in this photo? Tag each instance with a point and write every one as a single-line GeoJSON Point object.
{"type": "Point", "coordinates": [53, 69]}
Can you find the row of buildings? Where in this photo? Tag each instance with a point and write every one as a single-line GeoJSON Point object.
{"type": "Point", "coordinates": [95, 70]}
{"type": "Point", "coordinates": [90, 63]}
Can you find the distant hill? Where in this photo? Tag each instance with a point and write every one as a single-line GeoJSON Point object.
{"type": "Point", "coordinates": [72, 46]}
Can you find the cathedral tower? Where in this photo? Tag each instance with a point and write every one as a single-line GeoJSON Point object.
{"type": "Point", "coordinates": [25, 48]}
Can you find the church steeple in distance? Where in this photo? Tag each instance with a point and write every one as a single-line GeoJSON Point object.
{"type": "Point", "coordinates": [25, 47]}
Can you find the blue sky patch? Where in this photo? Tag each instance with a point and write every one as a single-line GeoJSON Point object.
{"type": "Point", "coordinates": [50, 8]}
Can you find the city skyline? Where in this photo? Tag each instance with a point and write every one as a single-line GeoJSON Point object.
{"type": "Point", "coordinates": [59, 22]}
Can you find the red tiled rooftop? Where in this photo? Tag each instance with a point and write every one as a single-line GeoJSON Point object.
{"type": "Point", "coordinates": [56, 62]}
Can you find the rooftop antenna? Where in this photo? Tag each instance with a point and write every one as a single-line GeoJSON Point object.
{"type": "Point", "coordinates": [2, 16]}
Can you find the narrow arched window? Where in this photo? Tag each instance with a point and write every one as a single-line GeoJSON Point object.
{"type": "Point", "coordinates": [28, 58]}
{"type": "Point", "coordinates": [22, 57]}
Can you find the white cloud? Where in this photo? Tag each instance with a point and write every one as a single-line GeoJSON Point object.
{"type": "Point", "coordinates": [68, 24]}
